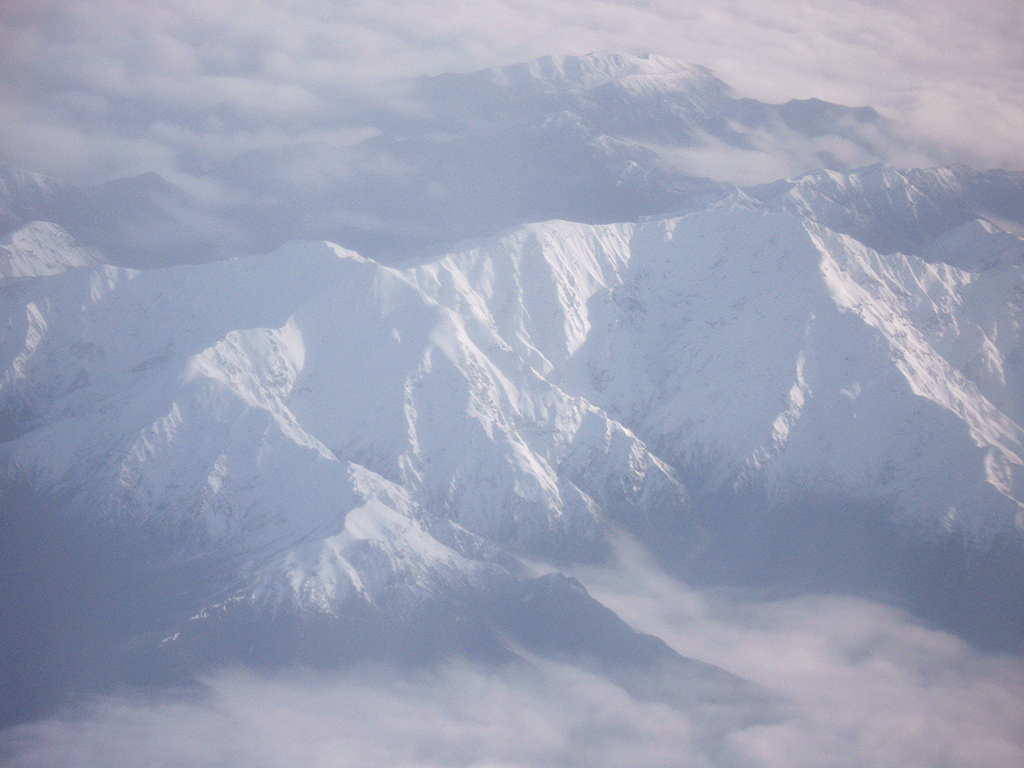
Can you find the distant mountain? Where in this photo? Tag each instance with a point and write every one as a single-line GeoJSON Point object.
{"type": "Point", "coordinates": [909, 211]}
{"type": "Point", "coordinates": [599, 138]}
{"type": "Point", "coordinates": [26, 197]}
{"type": "Point", "coordinates": [142, 221]}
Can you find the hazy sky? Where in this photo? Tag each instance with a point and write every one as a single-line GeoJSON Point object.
{"type": "Point", "coordinates": [93, 89]}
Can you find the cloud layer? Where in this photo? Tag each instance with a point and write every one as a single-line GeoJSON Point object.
{"type": "Point", "coordinates": [858, 684]}
{"type": "Point", "coordinates": [93, 89]}
{"type": "Point", "coordinates": [869, 685]}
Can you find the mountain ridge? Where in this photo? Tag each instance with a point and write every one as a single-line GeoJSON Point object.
{"type": "Point", "coordinates": [314, 455]}
{"type": "Point", "coordinates": [517, 371]}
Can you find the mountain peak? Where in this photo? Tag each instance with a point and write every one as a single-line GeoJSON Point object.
{"type": "Point", "coordinates": [566, 73]}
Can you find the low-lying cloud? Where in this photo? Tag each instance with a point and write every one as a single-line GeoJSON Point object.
{"type": "Point", "coordinates": [93, 89]}
{"type": "Point", "coordinates": [460, 715]}
{"type": "Point", "coordinates": [869, 684]}
{"type": "Point", "coordinates": [856, 684]}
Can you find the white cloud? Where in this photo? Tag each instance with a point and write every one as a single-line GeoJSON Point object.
{"type": "Point", "coordinates": [858, 684]}
{"type": "Point", "coordinates": [84, 71]}
{"type": "Point", "coordinates": [868, 684]}
{"type": "Point", "coordinates": [459, 715]}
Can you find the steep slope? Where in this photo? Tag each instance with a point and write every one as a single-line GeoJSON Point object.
{"type": "Point", "coordinates": [346, 458]}
{"type": "Point", "coordinates": [893, 210]}
{"type": "Point", "coordinates": [292, 443]}
{"type": "Point", "coordinates": [514, 388]}
{"type": "Point", "coordinates": [39, 249]}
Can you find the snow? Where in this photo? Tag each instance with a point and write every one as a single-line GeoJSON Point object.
{"type": "Point", "coordinates": [350, 428]}
{"type": "Point", "coordinates": [558, 74]}
{"type": "Point", "coordinates": [39, 249]}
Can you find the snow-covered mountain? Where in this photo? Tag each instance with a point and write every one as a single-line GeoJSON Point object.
{"type": "Point", "coordinates": [605, 137]}
{"type": "Point", "coordinates": [316, 454]}
{"type": "Point", "coordinates": [348, 430]}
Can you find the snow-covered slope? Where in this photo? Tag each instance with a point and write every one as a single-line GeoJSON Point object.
{"type": "Point", "coordinates": [347, 429]}
{"type": "Point", "coordinates": [40, 248]}
{"type": "Point", "coordinates": [765, 348]}
{"type": "Point", "coordinates": [893, 210]}
{"type": "Point", "coordinates": [304, 408]}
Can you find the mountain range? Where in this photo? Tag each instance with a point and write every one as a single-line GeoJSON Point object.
{"type": "Point", "coordinates": [322, 454]}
